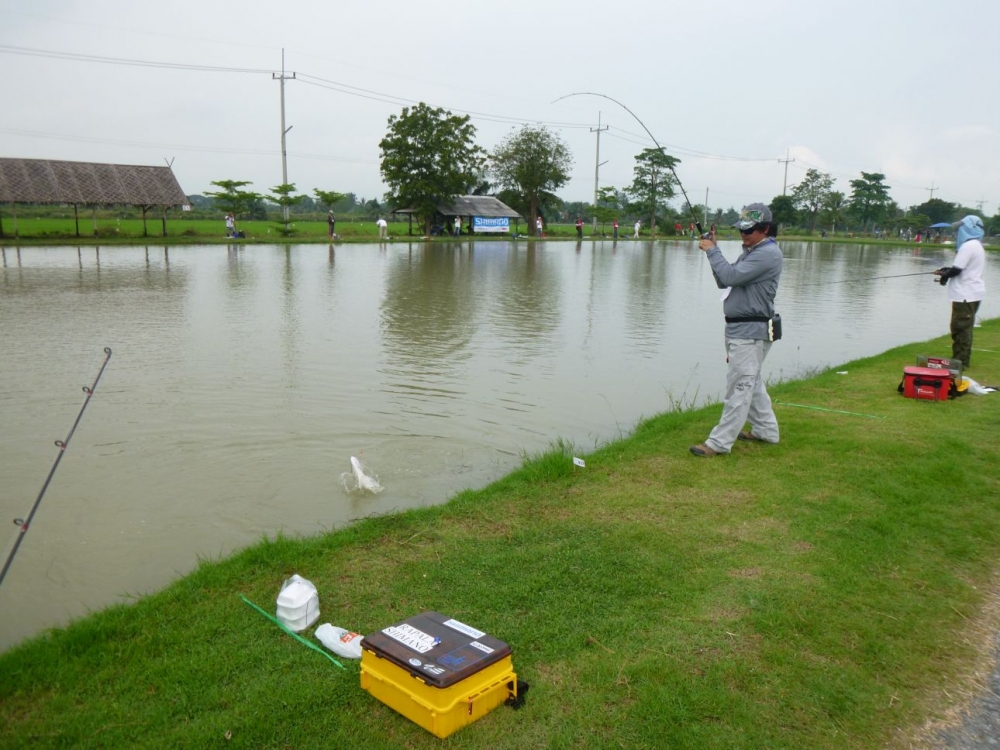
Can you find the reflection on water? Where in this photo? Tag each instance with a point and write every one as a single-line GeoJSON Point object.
{"type": "Point", "coordinates": [244, 378]}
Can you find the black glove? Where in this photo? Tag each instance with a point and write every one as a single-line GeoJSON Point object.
{"type": "Point", "coordinates": [946, 273]}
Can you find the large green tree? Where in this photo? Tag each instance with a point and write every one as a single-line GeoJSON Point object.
{"type": "Point", "coordinates": [937, 210]}
{"type": "Point", "coordinates": [429, 156]}
{"type": "Point", "coordinates": [869, 197]}
{"type": "Point", "coordinates": [783, 210]}
{"type": "Point", "coordinates": [652, 183]}
{"type": "Point", "coordinates": [531, 164]}
{"type": "Point", "coordinates": [810, 194]}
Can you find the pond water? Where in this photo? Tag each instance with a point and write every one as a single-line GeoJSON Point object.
{"type": "Point", "coordinates": [243, 379]}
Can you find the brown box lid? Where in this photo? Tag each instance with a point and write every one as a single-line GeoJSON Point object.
{"type": "Point", "coordinates": [436, 649]}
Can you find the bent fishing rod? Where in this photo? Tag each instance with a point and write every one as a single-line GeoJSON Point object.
{"type": "Point", "coordinates": [697, 221]}
{"type": "Point", "coordinates": [62, 445]}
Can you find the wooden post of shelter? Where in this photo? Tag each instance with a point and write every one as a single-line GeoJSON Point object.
{"type": "Point", "coordinates": [94, 215]}
{"type": "Point", "coordinates": [164, 220]}
{"type": "Point", "coordinates": [76, 218]}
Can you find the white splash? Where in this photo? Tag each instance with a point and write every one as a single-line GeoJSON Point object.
{"type": "Point", "coordinates": [362, 480]}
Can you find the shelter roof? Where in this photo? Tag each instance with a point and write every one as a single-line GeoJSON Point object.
{"type": "Point", "coordinates": [48, 181]}
{"type": "Point", "coordinates": [478, 205]}
{"type": "Point", "coordinates": [471, 205]}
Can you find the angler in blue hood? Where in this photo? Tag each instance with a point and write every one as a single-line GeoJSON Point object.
{"type": "Point", "coordinates": [965, 285]}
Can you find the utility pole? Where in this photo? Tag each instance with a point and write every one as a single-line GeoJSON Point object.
{"type": "Point", "coordinates": [704, 219]}
{"type": "Point", "coordinates": [284, 130]}
{"type": "Point", "coordinates": [784, 185]}
{"type": "Point", "coordinates": [932, 189]}
{"type": "Point", "coordinates": [597, 165]}
{"type": "Point", "coordinates": [980, 204]}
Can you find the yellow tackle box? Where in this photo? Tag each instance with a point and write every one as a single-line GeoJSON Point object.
{"type": "Point", "coordinates": [438, 672]}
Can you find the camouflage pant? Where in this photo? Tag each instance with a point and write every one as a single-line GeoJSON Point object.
{"type": "Point", "coordinates": [963, 318]}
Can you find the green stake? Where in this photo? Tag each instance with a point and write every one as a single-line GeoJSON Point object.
{"type": "Point", "coordinates": [292, 633]}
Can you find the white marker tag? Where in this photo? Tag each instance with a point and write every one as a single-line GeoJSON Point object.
{"type": "Point", "coordinates": [579, 462]}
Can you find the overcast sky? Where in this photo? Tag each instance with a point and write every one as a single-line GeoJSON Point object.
{"type": "Point", "coordinates": [908, 88]}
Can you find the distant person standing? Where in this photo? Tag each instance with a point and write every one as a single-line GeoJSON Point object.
{"type": "Point", "coordinates": [538, 226]}
{"type": "Point", "coordinates": [965, 285]}
{"type": "Point", "coordinates": [382, 228]}
{"type": "Point", "coordinates": [230, 226]}
{"type": "Point", "coordinates": [638, 226]}
{"type": "Point", "coordinates": [458, 225]}
{"type": "Point", "coordinates": [615, 227]}
{"type": "Point", "coordinates": [579, 227]}
{"type": "Point", "coordinates": [331, 225]}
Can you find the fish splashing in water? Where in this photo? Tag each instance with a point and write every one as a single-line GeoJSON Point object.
{"type": "Point", "coordinates": [362, 480]}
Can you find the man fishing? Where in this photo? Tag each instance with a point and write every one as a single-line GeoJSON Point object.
{"type": "Point", "coordinates": [749, 287]}
{"type": "Point", "coordinates": [965, 285]}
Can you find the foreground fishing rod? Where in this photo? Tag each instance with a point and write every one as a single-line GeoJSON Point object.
{"type": "Point", "coordinates": [62, 445]}
{"type": "Point", "coordinates": [868, 278]}
{"type": "Point", "coordinates": [663, 151]}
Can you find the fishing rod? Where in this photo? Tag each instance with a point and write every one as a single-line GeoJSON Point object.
{"type": "Point", "coordinates": [869, 278]}
{"type": "Point", "coordinates": [687, 200]}
{"type": "Point", "coordinates": [23, 524]}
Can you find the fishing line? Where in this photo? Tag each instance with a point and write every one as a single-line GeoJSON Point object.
{"type": "Point", "coordinates": [23, 524]}
{"type": "Point", "coordinates": [868, 278]}
{"type": "Point", "coordinates": [697, 222]}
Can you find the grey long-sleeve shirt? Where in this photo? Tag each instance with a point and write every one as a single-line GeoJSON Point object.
{"type": "Point", "coordinates": [754, 281]}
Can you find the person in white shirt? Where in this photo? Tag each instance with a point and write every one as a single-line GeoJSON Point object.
{"type": "Point", "coordinates": [965, 285]}
{"type": "Point", "coordinates": [382, 228]}
{"type": "Point", "coordinates": [638, 224]}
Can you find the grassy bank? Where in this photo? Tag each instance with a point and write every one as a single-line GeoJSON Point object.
{"type": "Point", "coordinates": [822, 593]}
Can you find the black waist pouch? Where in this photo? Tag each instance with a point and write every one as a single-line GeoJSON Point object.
{"type": "Point", "coordinates": [773, 324]}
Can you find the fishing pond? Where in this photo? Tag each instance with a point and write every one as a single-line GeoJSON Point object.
{"type": "Point", "coordinates": [244, 378]}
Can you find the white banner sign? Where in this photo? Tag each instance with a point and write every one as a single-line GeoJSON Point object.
{"type": "Point", "coordinates": [490, 224]}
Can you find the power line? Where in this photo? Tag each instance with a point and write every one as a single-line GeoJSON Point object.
{"type": "Point", "coordinates": [30, 52]}
{"type": "Point", "coordinates": [178, 147]}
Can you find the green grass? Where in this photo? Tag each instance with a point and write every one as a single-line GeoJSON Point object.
{"type": "Point", "coordinates": [821, 593]}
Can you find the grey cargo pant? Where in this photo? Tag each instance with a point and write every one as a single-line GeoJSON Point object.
{"type": "Point", "coordinates": [746, 396]}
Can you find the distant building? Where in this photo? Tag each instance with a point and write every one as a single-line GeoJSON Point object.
{"type": "Point", "coordinates": [480, 214]}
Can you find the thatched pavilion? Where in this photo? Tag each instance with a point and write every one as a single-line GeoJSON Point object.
{"type": "Point", "coordinates": [77, 183]}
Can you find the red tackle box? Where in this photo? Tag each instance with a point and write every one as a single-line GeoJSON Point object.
{"type": "Point", "coordinates": [931, 383]}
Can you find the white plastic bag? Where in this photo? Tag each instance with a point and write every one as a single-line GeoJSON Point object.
{"type": "Point", "coordinates": [975, 388]}
{"type": "Point", "coordinates": [341, 642]}
{"type": "Point", "coordinates": [298, 603]}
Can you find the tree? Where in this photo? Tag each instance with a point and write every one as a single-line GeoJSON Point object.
{"type": "Point", "coordinates": [834, 210]}
{"type": "Point", "coordinates": [282, 195]}
{"type": "Point", "coordinates": [608, 206]}
{"type": "Point", "coordinates": [783, 210]}
{"type": "Point", "coordinates": [810, 194]}
{"type": "Point", "coordinates": [231, 199]}
{"type": "Point", "coordinates": [428, 157]}
{"type": "Point", "coordinates": [531, 164]}
{"type": "Point", "coordinates": [869, 197]}
{"type": "Point", "coordinates": [328, 198]}
{"type": "Point", "coordinates": [937, 210]}
{"type": "Point", "coordinates": [652, 184]}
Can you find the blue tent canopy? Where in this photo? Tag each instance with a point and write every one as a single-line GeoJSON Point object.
{"type": "Point", "coordinates": [941, 225]}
